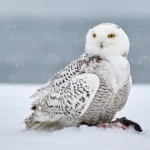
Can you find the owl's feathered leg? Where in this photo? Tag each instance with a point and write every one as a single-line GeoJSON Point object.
{"type": "Point", "coordinates": [87, 124]}
{"type": "Point", "coordinates": [84, 123]}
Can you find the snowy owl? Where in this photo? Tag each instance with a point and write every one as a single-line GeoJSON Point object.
{"type": "Point", "coordinates": [91, 89]}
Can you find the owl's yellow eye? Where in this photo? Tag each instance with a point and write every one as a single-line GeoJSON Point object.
{"type": "Point", "coordinates": [94, 35]}
{"type": "Point", "coordinates": [111, 35]}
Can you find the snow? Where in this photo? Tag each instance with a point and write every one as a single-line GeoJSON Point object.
{"type": "Point", "coordinates": [14, 107]}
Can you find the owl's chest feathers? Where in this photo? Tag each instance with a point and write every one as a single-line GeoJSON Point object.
{"type": "Point", "coordinates": [114, 70]}
{"type": "Point", "coordinates": [113, 74]}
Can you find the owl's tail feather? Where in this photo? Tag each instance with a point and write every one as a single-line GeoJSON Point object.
{"type": "Point", "coordinates": [32, 124]}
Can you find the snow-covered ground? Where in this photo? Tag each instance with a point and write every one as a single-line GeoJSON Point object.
{"type": "Point", "coordinates": [14, 107]}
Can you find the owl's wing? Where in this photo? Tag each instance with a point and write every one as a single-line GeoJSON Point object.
{"type": "Point", "coordinates": [79, 93]}
{"type": "Point", "coordinates": [73, 69]}
{"type": "Point", "coordinates": [43, 90]}
{"type": "Point", "coordinates": [127, 92]}
{"type": "Point", "coordinates": [72, 99]}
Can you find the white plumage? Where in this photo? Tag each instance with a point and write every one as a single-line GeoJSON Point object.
{"type": "Point", "coordinates": [90, 89]}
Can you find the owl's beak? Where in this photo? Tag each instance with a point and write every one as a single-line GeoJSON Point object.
{"type": "Point", "coordinates": [101, 45]}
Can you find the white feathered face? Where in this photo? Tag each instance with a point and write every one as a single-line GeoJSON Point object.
{"type": "Point", "coordinates": [107, 39]}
